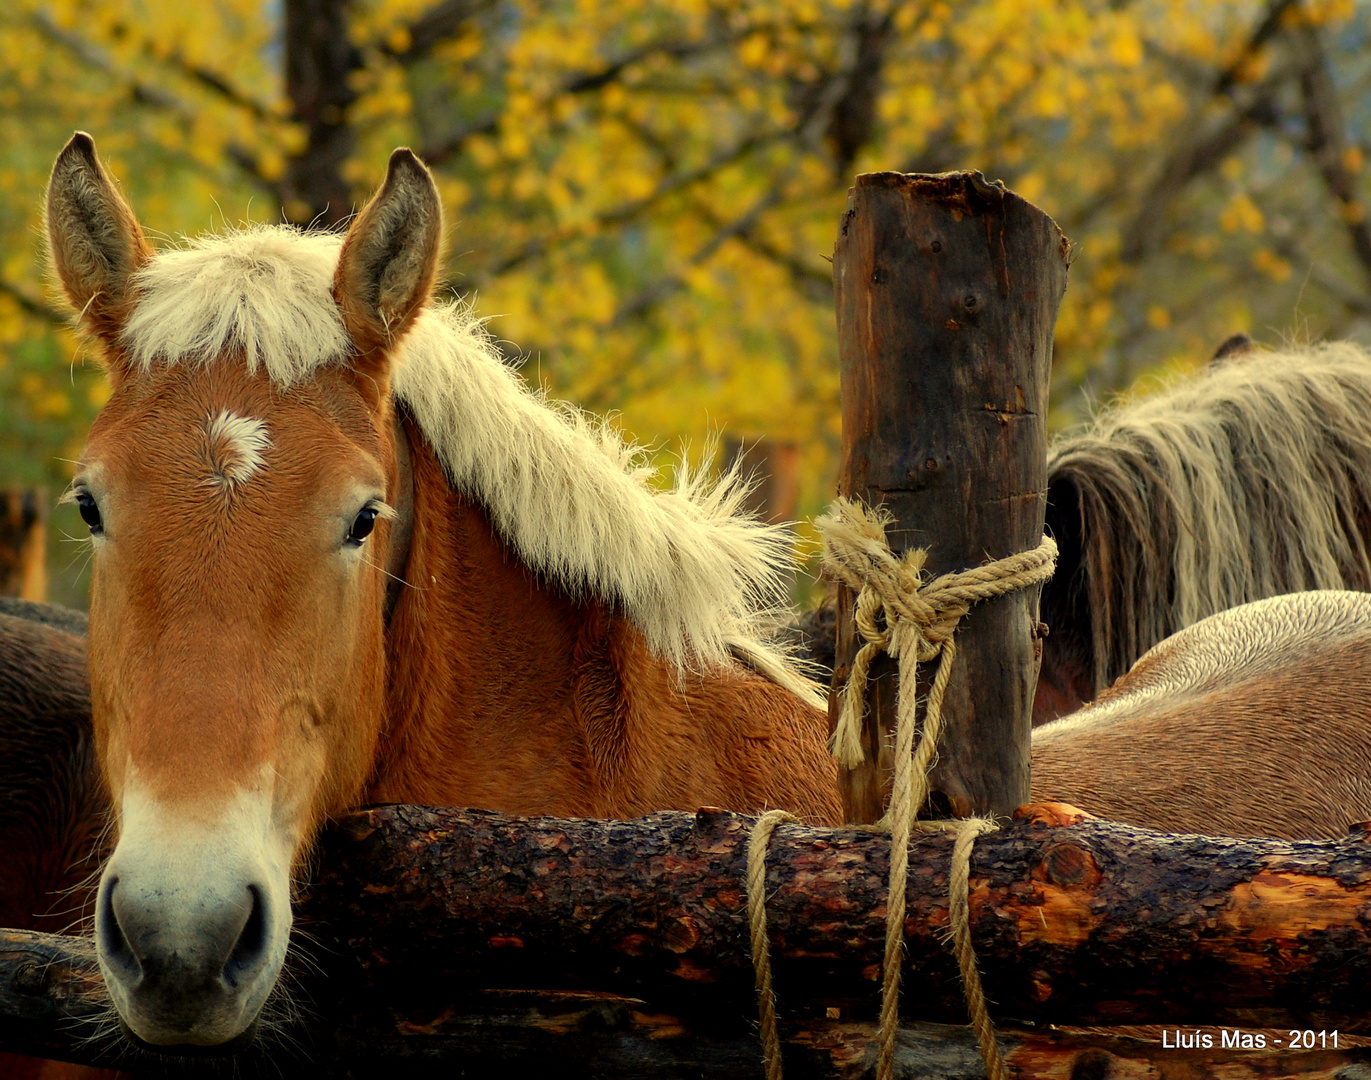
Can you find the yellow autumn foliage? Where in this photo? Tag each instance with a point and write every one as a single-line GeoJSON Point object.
{"type": "Point", "coordinates": [643, 193]}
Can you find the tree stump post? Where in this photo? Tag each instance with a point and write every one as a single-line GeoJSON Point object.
{"type": "Point", "coordinates": [947, 290]}
{"type": "Point", "coordinates": [773, 468]}
{"type": "Point", "coordinates": [23, 543]}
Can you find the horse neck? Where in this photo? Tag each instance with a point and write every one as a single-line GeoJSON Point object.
{"type": "Point", "coordinates": [479, 656]}
{"type": "Point", "coordinates": [506, 693]}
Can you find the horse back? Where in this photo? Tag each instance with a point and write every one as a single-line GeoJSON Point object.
{"type": "Point", "coordinates": [1252, 722]}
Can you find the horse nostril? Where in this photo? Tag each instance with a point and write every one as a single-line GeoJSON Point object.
{"type": "Point", "coordinates": [109, 935]}
{"type": "Point", "coordinates": [247, 954]}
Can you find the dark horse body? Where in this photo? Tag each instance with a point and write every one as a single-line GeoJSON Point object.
{"type": "Point", "coordinates": [52, 805]}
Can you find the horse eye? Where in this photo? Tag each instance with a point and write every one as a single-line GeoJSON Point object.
{"type": "Point", "coordinates": [90, 513]}
{"type": "Point", "coordinates": [362, 525]}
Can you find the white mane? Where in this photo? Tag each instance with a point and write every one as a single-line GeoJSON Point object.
{"type": "Point", "coordinates": [699, 580]}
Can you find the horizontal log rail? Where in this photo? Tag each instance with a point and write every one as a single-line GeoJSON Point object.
{"type": "Point", "coordinates": [465, 936]}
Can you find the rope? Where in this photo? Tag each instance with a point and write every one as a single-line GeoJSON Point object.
{"type": "Point", "coordinates": [913, 621]}
{"type": "Point", "coordinates": [959, 911]}
{"type": "Point", "coordinates": [757, 843]}
{"type": "Point", "coordinates": [901, 614]}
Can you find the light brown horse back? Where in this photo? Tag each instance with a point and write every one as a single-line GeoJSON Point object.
{"type": "Point", "coordinates": [1252, 722]}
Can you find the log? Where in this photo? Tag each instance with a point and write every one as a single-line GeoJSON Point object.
{"type": "Point", "coordinates": [423, 921]}
{"type": "Point", "coordinates": [498, 1034]}
{"type": "Point", "coordinates": [1085, 923]}
{"type": "Point", "coordinates": [947, 290]}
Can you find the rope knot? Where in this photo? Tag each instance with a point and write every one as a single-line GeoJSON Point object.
{"type": "Point", "coordinates": [899, 610]}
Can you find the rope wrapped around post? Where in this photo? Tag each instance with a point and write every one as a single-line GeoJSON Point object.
{"type": "Point", "coordinates": [914, 621]}
{"type": "Point", "coordinates": [910, 619]}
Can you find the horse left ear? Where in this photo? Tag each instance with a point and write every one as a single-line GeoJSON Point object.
{"type": "Point", "coordinates": [388, 262]}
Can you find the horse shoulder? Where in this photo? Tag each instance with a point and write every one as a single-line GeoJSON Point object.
{"type": "Point", "coordinates": [668, 739]}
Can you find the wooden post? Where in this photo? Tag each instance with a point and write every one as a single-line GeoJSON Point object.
{"type": "Point", "coordinates": [775, 468]}
{"type": "Point", "coordinates": [23, 543]}
{"type": "Point", "coordinates": [947, 290]}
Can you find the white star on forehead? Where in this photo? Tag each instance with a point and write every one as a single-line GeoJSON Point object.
{"type": "Point", "coordinates": [236, 447]}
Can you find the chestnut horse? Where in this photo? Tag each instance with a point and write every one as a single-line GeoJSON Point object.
{"type": "Point", "coordinates": [1249, 480]}
{"type": "Point", "coordinates": [342, 554]}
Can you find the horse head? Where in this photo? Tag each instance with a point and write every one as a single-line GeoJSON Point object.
{"type": "Point", "coordinates": [238, 487]}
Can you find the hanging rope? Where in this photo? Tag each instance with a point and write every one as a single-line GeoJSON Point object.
{"type": "Point", "coordinates": [757, 843]}
{"type": "Point", "coordinates": [913, 621]}
{"type": "Point", "coordinates": [959, 912]}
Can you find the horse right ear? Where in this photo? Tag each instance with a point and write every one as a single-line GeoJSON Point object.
{"type": "Point", "coordinates": [95, 241]}
{"type": "Point", "coordinates": [388, 262]}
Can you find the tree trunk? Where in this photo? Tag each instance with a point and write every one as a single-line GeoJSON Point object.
{"type": "Point", "coordinates": [947, 292]}
{"type": "Point", "coordinates": [320, 63]}
{"type": "Point", "coordinates": [774, 469]}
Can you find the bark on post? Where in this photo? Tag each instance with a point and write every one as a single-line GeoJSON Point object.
{"type": "Point", "coordinates": [947, 292]}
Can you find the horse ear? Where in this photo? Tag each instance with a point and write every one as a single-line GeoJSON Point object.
{"type": "Point", "coordinates": [95, 241]}
{"type": "Point", "coordinates": [388, 262]}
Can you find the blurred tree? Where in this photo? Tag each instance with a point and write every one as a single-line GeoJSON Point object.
{"type": "Point", "coordinates": [644, 191]}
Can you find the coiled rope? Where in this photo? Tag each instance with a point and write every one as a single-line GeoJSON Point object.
{"type": "Point", "coordinates": [914, 621]}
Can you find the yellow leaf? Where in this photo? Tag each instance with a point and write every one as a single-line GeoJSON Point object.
{"type": "Point", "coordinates": [1125, 47]}
{"type": "Point", "coordinates": [1241, 214]}
{"type": "Point", "coordinates": [1271, 264]}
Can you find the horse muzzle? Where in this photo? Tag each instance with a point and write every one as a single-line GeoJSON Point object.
{"type": "Point", "coordinates": [191, 933]}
